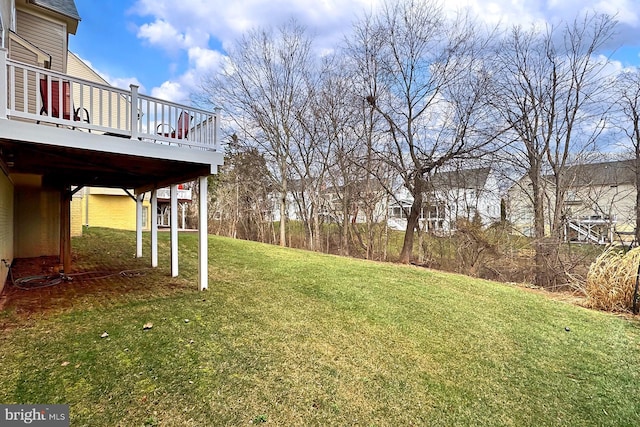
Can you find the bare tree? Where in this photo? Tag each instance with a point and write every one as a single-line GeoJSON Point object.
{"type": "Point", "coordinates": [424, 58]}
{"type": "Point", "coordinates": [371, 140]}
{"type": "Point", "coordinates": [239, 194]}
{"type": "Point", "coordinates": [333, 115]}
{"type": "Point", "coordinates": [549, 91]}
{"type": "Point", "coordinates": [628, 100]}
{"type": "Point", "coordinates": [262, 87]}
{"type": "Point", "coordinates": [312, 143]}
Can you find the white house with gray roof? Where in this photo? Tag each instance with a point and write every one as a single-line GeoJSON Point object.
{"type": "Point", "coordinates": [457, 194]}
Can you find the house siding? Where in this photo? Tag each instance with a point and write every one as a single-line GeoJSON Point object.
{"type": "Point", "coordinates": [46, 35]}
{"type": "Point", "coordinates": [49, 36]}
{"type": "Point", "coordinates": [6, 226]}
{"type": "Point", "coordinates": [106, 109]}
{"type": "Point", "coordinates": [19, 53]}
{"type": "Point", "coordinates": [596, 192]}
{"type": "Point", "coordinates": [76, 216]}
{"type": "Point", "coordinates": [616, 202]}
{"type": "Point", "coordinates": [37, 222]}
{"type": "Point", "coordinates": [520, 207]}
{"type": "Point", "coordinates": [110, 211]}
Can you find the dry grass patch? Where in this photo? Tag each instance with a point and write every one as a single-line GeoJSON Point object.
{"type": "Point", "coordinates": [612, 279]}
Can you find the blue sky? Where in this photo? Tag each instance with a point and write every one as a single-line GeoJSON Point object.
{"type": "Point", "coordinates": [166, 46]}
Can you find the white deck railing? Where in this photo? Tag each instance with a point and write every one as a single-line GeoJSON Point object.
{"type": "Point", "coordinates": [99, 108]}
{"type": "Point", "coordinates": [165, 194]}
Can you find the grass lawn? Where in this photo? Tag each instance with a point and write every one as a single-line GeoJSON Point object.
{"type": "Point", "coordinates": [287, 337]}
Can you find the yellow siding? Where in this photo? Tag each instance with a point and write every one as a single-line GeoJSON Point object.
{"type": "Point", "coordinates": [106, 109]}
{"type": "Point", "coordinates": [76, 216]}
{"type": "Point", "coordinates": [6, 225]}
{"type": "Point", "coordinates": [618, 202]}
{"type": "Point", "coordinates": [111, 211]}
{"type": "Point", "coordinates": [37, 222]}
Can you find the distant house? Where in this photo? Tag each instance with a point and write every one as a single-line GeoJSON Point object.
{"type": "Point", "coordinates": [110, 208]}
{"type": "Point", "coordinates": [361, 198]}
{"type": "Point", "coordinates": [116, 208]}
{"type": "Point", "coordinates": [599, 204]}
{"type": "Point", "coordinates": [184, 196]}
{"type": "Point", "coordinates": [471, 194]}
{"type": "Point", "coordinates": [330, 202]}
{"type": "Point", "coordinates": [459, 194]}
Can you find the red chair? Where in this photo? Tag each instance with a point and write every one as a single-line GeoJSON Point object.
{"type": "Point", "coordinates": [51, 105]}
{"type": "Point", "coordinates": [182, 127]}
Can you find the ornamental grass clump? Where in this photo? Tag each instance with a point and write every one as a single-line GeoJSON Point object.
{"type": "Point", "coordinates": [611, 280]}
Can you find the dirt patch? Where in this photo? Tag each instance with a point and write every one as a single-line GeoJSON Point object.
{"type": "Point", "coordinates": [25, 268]}
{"type": "Point", "coordinates": [36, 286]}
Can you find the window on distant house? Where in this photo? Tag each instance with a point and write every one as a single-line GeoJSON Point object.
{"type": "Point", "coordinates": [145, 215]}
{"type": "Point", "coordinates": [395, 212]}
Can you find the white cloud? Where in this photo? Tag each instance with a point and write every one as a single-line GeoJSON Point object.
{"type": "Point", "coordinates": [169, 91]}
{"type": "Point", "coordinates": [125, 82]}
{"type": "Point", "coordinates": [524, 12]}
{"type": "Point", "coordinates": [624, 10]}
{"type": "Point", "coordinates": [201, 63]}
{"type": "Point", "coordinates": [225, 21]}
{"type": "Point", "coordinates": [189, 26]}
{"type": "Point", "coordinates": [163, 34]}
{"type": "Point", "coordinates": [205, 59]}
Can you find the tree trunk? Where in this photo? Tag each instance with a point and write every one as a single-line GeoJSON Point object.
{"type": "Point", "coordinates": [316, 231]}
{"type": "Point", "coordinates": [538, 226]}
{"type": "Point", "coordinates": [412, 222]}
{"type": "Point", "coordinates": [344, 233]}
{"type": "Point", "coordinates": [283, 214]}
{"type": "Point", "coordinates": [637, 173]}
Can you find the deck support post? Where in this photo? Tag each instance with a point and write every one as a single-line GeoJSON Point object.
{"type": "Point", "coordinates": [154, 228]}
{"type": "Point", "coordinates": [65, 229]}
{"type": "Point", "coordinates": [139, 212]}
{"type": "Point", "coordinates": [203, 242]}
{"type": "Point", "coordinates": [174, 229]}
